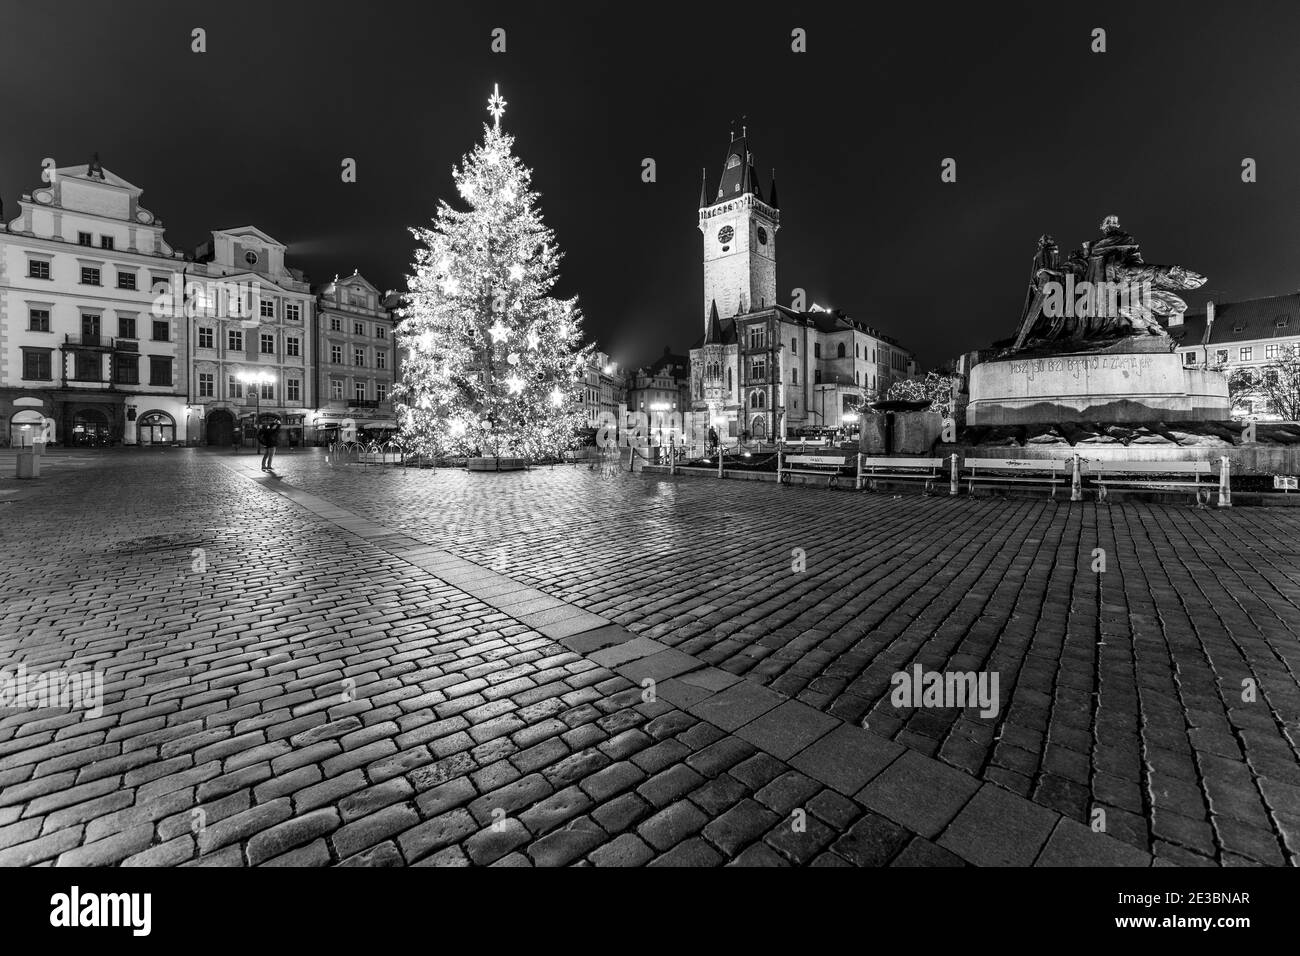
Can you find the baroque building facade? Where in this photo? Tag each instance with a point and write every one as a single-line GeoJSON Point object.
{"type": "Point", "coordinates": [763, 370]}
{"type": "Point", "coordinates": [356, 361]}
{"type": "Point", "coordinates": [251, 318]}
{"type": "Point", "coordinates": [84, 359]}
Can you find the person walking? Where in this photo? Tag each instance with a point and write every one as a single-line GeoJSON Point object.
{"type": "Point", "coordinates": [269, 435]}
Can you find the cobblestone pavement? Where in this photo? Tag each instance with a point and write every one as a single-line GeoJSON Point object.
{"type": "Point", "coordinates": [375, 666]}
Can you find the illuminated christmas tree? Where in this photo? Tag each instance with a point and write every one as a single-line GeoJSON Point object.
{"type": "Point", "coordinates": [494, 362]}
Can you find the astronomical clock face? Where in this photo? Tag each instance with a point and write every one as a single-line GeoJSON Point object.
{"type": "Point", "coordinates": [726, 234]}
{"type": "Point", "coordinates": [762, 236]}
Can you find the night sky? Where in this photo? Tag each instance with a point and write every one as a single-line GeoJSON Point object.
{"type": "Point", "coordinates": [1048, 137]}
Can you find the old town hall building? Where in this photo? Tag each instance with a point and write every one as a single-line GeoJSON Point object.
{"type": "Point", "coordinates": [763, 369]}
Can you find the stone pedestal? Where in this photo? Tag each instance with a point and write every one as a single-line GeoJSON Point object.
{"type": "Point", "coordinates": [1137, 386]}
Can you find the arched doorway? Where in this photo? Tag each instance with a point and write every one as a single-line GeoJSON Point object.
{"type": "Point", "coordinates": [759, 428]}
{"type": "Point", "coordinates": [156, 428]}
{"type": "Point", "coordinates": [89, 427]}
{"type": "Point", "coordinates": [221, 428]}
{"type": "Point", "coordinates": [26, 428]}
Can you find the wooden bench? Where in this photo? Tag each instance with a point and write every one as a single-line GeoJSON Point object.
{"type": "Point", "coordinates": [1159, 475]}
{"type": "Point", "coordinates": [1029, 471]}
{"type": "Point", "coordinates": [829, 466]}
{"type": "Point", "coordinates": [928, 470]}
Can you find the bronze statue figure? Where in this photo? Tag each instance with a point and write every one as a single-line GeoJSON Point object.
{"type": "Point", "coordinates": [1119, 294]}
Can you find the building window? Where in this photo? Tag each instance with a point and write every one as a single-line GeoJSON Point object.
{"type": "Point", "coordinates": [757, 370]}
{"type": "Point", "coordinates": [358, 356]}
{"type": "Point", "coordinates": [250, 257]}
{"type": "Point", "coordinates": [106, 242]}
{"type": "Point", "coordinates": [856, 378]}
{"type": "Point", "coordinates": [85, 239]}
{"type": "Point", "coordinates": [359, 389]}
{"type": "Point", "coordinates": [1270, 351]}
{"type": "Point", "coordinates": [291, 346]}
{"type": "Point", "coordinates": [125, 327]}
{"type": "Point", "coordinates": [206, 338]}
{"type": "Point", "coordinates": [358, 328]}
{"type": "Point", "coordinates": [794, 346]}
{"type": "Point", "coordinates": [817, 376]}
{"type": "Point", "coordinates": [38, 269]}
{"type": "Point", "coordinates": [817, 350]}
{"type": "Point", "coordinates": [381, 332]}
{"type": "Point", "coordinates": [1189, 358]}
{"type": "Point", "coordinates": [839, 351]}
{"type": "Point", "coordinates": [336, 324]}
{"type": "Point", "coordinates": [336, 388]}
{"type": "Point", "coordinates": [268, 391]}
{"type": "Point", "coordinates": [381, 392]}
{"type": "Point", "coordinates": [336, 354]}
{"type": "Point", "coordinates": [126, 369]}
{"type": "Point", "coordinates": [292, 311]}
{"type": "Point", "coordinates": [757, 337]}
{"type": "Point", "coordinates": [794, 376]}
{"type": "Point", "coordinates": [857, 350]}
{"type": "Point", "coordinates": [1221, 356]}
{"type": "Point", "coordinates": [381, 359]}
{"type": "Point", "coordinates": [293, 390]}
{"type": "Point", "coordinates": [90, 328]}
{"type": "Point", "coordinates": [266, 308]}
{"type": "Point", "coordinates": [126, 280]}
{"type": "Point", "coordinates": [234, 340]}
{"type": "Point", "coordinates": [89, 275]}
{"type": "Point", "coordinates": [234, 387]}
{"type": "Point", "coordinates": [38, 320]}
{"type": "Point", "coordinates": [1247, 352]}
{"type": "Point", "coordinates": [162, 331]}
{"type": "Point", "coordinates": [36, 365]}
{"type": "Point", "coordinates": [267, 344]}
{"type": "Point", "coordinates": [160, 370]}
{"type": "Point", "coordinates": [87, 367]}
{"type": "Point", "coordinates": [207, 386]}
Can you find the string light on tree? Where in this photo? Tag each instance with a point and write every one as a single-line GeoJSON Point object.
{"type": "Point", "coordinates": [460, 395]}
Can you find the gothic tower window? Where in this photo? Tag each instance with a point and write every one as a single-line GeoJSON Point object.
{"type": "Point", "coordinates": [839, 353]}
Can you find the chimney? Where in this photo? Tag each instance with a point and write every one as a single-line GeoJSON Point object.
{"type": "Point", "coordinates": [1209, 314]}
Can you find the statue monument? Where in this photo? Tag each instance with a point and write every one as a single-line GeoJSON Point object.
{"type": "Point", "coordinates": [1091, 347]}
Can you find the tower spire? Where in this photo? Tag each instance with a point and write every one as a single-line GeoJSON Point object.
{"type": "Point", "coordinates": [771, 199]}
{"type": "Point", "coordinates": [704, 187]}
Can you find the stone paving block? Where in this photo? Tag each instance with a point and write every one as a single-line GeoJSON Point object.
{"type": "Point", "coordinates": [736, 706]}
{"type": "Point", "coordinates": [1073, 844]}
{"type": "Point", "coordinates": [787, 729]}
{"type": "Point", "coordinates": [625, 850]}
{"type": "Point", "coordinates": [632, 650]}
{"type": "Point", "coordinates": [921, 794]}
{"type": "Point", "coordinates": [570, 842]}
{"type": "Point", "coordinates": [847, 758]}
{"type": "Point", "coordinates": [997, 828]}
{"type": "Point", "coordinates": [661, 666]}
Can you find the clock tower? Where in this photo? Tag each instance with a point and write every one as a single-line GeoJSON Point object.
{"type": "Point", "coordinates": [739, 228]}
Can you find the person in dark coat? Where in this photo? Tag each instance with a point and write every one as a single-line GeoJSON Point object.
{"type": "Point", "coordinates": [269, 436]}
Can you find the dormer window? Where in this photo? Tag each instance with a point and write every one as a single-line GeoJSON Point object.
{"type": "Point", "coordinates": [250, 257]}
{"type": "Point", "coordinates": [1281, 321]}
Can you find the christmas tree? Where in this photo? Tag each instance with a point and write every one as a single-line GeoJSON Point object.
{"type": "Point", "coordinates": [493, 360]}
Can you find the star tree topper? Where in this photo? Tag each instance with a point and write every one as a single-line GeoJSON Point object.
{"type": "Point", "coordinates": [496, 105]}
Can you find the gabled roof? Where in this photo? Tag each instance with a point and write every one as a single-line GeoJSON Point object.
{"type": "Point", "coordinates": [253, 231]}
{"type": "Point", "coordinates": [1272, 317]}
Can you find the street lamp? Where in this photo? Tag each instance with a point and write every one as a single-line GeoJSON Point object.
{"type": "Point", "coordinates": [255, 381]}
